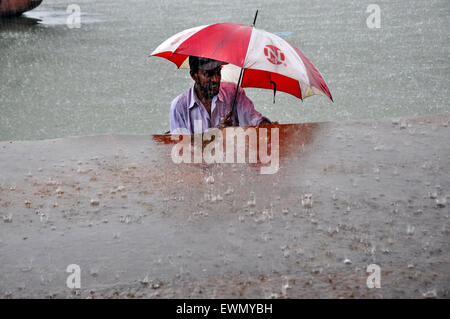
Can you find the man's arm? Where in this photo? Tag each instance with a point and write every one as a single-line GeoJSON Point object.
{"type": "Point", "coordinates": [177, 122]}
{"type": "Point", "coordinates": [266, 121]}
{"type": "Point", "coordinates": [248, 115]}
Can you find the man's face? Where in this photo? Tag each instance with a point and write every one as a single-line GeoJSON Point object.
{"type": "Point", "coordinates": [208, 81]}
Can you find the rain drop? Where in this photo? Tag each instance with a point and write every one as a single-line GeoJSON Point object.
{"type": "Point", "coordinates": [95, 202]}
{"type": "Point", "coordinates": [418, 212]}
{"type": "Point", "coordinates": [432, 294]}
{"type": "Point", "coordinates": [145, 281]}
{"type": "Point", "coordinates": [93, 272]}
{"type": "Point", "coordinates": [432, 195]}
{"type": "Point", "coordinates": [51, 182]}
{"type": "Point", "coordinates": [334, 196]}
{"type": "Point", "coordinates": [252, 201]}
{"type": "Point", "coordinates": [285, 286]}
{"type": "Point", "coordinates": [43, 218]}
{"type": "Point", "coordinates": [210, 180]}
{"type": "Point", "coordinates": [7, 218]}
{"type": "Point", "coordinates": [307, 201]}
{"type": "Point", "coordinates": [441, 203]}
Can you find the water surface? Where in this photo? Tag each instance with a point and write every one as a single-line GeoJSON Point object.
{"type": "Point", "coordinates": [57, 81]}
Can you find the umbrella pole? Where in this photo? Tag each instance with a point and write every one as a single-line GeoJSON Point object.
{"type": "Point", "coordinates": [254, 20]}
{"type": "Point", "coordinates": [239, 81]}
{"type": "Point", "coordinates": [235, 97]}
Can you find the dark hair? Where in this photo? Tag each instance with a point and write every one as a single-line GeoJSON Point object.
{"type": "Point", "coordinates": [194, 63]}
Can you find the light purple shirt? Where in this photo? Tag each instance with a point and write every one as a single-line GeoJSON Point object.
{"type": "Point", "coordinates": [187, 111]}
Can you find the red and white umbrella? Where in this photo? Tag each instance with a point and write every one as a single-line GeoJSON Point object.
{"type": "Point", "coordinates": [268, 61]}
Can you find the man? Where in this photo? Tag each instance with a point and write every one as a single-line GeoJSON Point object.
{"type": "Point", "coordinates": [208, 103]}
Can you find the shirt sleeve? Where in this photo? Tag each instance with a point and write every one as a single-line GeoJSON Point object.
{"type": "Point", "coordinates": [247, 114]}
{"type": "Point", "coordinates": [177, 121]}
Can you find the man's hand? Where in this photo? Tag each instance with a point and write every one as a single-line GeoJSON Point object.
{"type": "Point", "coordinates": [265, 122]}
{"type": "Point", "coordinates": [226, 121]}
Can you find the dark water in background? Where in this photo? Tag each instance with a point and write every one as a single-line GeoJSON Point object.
{"type": "Point", "coordinates": [57, 81]}
{"type": "Point", "coordinates": [376, 184]}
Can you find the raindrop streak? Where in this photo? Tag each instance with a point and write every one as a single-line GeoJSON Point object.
{"type": "Point", "coordinates": [210, 180]}
{"type": "Point", "coordinates": [441, 203]}
{"type": "Point", "coordinates": [252, 201]}
{"type": "Point", "coordinates": [307, 201]}
{"type": "Point", "coordinates": [410, 230]}
{"type": "Point", "coordinates": [95, 202]}
{"type": "Point", "coordinates": [7, 218]}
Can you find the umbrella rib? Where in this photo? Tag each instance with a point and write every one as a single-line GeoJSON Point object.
{"type": "Point", "coordinates": [243, 66]}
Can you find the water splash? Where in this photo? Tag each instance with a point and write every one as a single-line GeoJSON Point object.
{"type": "Point", "coordinates": [252, 201]}
{"type": "Point", "coordinates": [307, 201]}
{"type": "Point", "coordinates": [7, 218]}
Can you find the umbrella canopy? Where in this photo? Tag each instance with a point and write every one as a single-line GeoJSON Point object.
{"type": "Point", "coordinates": [268, 61]}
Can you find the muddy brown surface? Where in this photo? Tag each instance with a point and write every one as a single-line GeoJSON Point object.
{"type": "Point", "coordinates": [140, 226]}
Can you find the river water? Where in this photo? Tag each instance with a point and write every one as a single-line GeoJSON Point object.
{"type": "Point", "coordinates": [140, 225]}
{"type": "Point", "coordinates": [58, 81]}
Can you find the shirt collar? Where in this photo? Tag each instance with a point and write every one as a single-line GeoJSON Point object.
{"type": "Point", "coordinates": [194, 99]}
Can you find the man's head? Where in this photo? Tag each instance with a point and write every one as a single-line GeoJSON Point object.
{"type": "Point", "coordinates": [207, 75]}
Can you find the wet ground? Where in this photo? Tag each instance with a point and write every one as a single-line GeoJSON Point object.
{"type": "Point", "coordinates": [140, 226]}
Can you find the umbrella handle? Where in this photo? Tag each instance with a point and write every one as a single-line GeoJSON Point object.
{"type": "Point", "coordinates": [274, 90]}
{"type": "Point", "coordinates": [233, 106]}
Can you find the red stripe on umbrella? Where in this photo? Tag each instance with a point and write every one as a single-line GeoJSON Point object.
{"type": "Point", "coordinates": [226, 42]}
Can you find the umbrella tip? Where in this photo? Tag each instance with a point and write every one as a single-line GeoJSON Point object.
{"type": "Point", "coordinates": [254, 20]}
